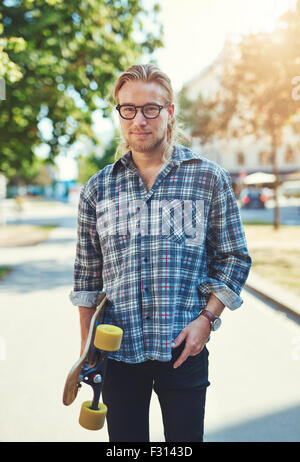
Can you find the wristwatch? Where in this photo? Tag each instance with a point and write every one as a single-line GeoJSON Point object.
{"type": "Point", "coordinates": [215, 321]}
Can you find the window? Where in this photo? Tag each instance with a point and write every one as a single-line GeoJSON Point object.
{"type": "Point", "coordinates": [289, 157]}
{"type": "Point", "coordinates": [265, 158]}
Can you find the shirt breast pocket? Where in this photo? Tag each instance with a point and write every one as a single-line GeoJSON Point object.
{"type": "Point", "coordinates": [174, 238]}
{"type": "Point", "coordinates": [189, 241]}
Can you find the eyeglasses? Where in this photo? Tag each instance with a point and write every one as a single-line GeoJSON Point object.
{"type": "Point", "coordinates": [149, 111]}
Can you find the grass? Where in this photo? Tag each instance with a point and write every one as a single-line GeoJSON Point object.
{"type": "Point", "coordinates": [276, 254]}
{"type": "Point", "coordinates": [47, 227]}
{"type": "Point", "coordinates": [257, 223]}
{"type": "Point", "coordinates": [4, 271]}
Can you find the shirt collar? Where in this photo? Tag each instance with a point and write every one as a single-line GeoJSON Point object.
{"type": "Point", "coordinates": [125, 160]}
{"type": "Point", "coordinates": [180, 154]}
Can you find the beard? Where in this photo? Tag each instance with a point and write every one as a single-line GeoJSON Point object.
{"type": "Point", "coordinates": [147, 145]}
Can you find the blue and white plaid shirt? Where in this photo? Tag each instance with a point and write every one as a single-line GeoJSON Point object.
{"type": "Point", "coordinates": [158, 254]}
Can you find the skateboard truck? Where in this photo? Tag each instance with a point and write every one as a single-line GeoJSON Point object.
{"type": "Point", "coordinates": [94, 377]}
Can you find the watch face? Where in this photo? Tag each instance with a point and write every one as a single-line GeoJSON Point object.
{"type": "Point", "coordinates": [216, 324]}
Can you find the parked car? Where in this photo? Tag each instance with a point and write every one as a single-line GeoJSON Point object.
{"type": "Point", "coordinates": [252, 198]}
{"type": "Point", "coordinates": [290, 189]}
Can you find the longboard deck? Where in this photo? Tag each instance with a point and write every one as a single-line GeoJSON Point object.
{"type": "Point", "coordinates": [72, 384]}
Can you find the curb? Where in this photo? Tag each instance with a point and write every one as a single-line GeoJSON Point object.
{"type": "Point", "coordinates": [274, 293]}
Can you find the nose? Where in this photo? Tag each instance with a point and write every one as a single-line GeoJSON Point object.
{"type": "Point", "coordinates": [140, 118]}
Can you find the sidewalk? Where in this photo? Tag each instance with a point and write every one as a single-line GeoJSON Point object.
{"type": "Point", "coordinates": [274, 293]}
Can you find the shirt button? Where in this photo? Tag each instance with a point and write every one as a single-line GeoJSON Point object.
{"type": "Point", "coordinates": [147, 318]}
{"type": "Point", "coordinates": [145, 259]}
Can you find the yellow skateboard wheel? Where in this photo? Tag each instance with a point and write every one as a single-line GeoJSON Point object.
{"type": "Point", "coordinates": [108, 337]}
{"type": "Point", "coordinates": [92, 419]}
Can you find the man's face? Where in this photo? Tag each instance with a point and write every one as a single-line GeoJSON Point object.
{"type": "Point", "coordinates": [145, 135]}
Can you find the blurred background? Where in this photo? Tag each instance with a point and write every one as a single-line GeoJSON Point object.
{"type": "Point", "coordinates": [235, 68]}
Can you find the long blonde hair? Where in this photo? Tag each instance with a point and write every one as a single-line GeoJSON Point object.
{"type": "Point", "coordinates": [149, 73]}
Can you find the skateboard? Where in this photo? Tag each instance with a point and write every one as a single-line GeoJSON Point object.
{"type": "Point", "coordinates": [90, 368]}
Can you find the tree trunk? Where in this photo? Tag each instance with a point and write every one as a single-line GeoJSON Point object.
{"type": "Point", "coordinates": [276, 183]}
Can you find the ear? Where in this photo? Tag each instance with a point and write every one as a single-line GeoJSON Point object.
{"type": "Point", "coordinates": [171, 110]}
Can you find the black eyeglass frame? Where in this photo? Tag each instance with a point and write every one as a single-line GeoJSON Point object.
{"type": "Point", "coordinates": [159, 106]}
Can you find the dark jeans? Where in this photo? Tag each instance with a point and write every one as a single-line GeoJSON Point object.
{"type": "Point", "coordinates": [181, 392]}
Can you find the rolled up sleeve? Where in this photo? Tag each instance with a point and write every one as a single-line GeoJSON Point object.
{"type": "Point", "coordinates": [227, 255]}
{"type": "Point", "coordinates": [88, 282]}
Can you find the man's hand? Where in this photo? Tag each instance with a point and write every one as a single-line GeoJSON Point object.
{"type": "Point", "coordinates": [195, 334]}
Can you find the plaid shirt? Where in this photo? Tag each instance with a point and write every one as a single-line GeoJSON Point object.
{"type": "Point", "coordinates": [158, 254]}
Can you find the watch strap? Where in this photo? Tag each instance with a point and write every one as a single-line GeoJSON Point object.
{"type": "Point", "coordinates": [210, 316]}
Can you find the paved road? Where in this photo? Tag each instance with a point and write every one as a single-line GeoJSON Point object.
{"type": "Point", "coordinates": [289, 212]}
{"type": "Point", "coordinates": [254, 358]}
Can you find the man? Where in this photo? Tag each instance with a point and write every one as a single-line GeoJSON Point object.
{"type": "Point", "coordinates": [159, 231]}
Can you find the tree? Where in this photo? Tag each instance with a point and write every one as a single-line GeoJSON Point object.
{"type": "Point", "coordinates": [32, 172]}
{"type": "Point", "coordinates": [9, 70]}
{"type": "Point", "coordinates": [196, 116]}
{"type": "Point", "coordinates": [256, 89]}
{"type": "Point", "coordinates": [91, 164]}
{"type": "Point", "coordinates": [71, 55]}
{"type": "Point", "coordinates": [261, 83]}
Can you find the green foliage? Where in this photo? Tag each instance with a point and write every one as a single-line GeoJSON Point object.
{"type": "Point", "coordinates": [35, 171]}
{"type": "Point", "coordinates": [91, 164]}
{"type": "Point", "coordinates": [60, 60]}
{"type": "Point", "coordinates": [196, 116]}
{"type": "Point", "coordinates": [184, 108]}
{"type": "Point", "coordinates": [4, 271]}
